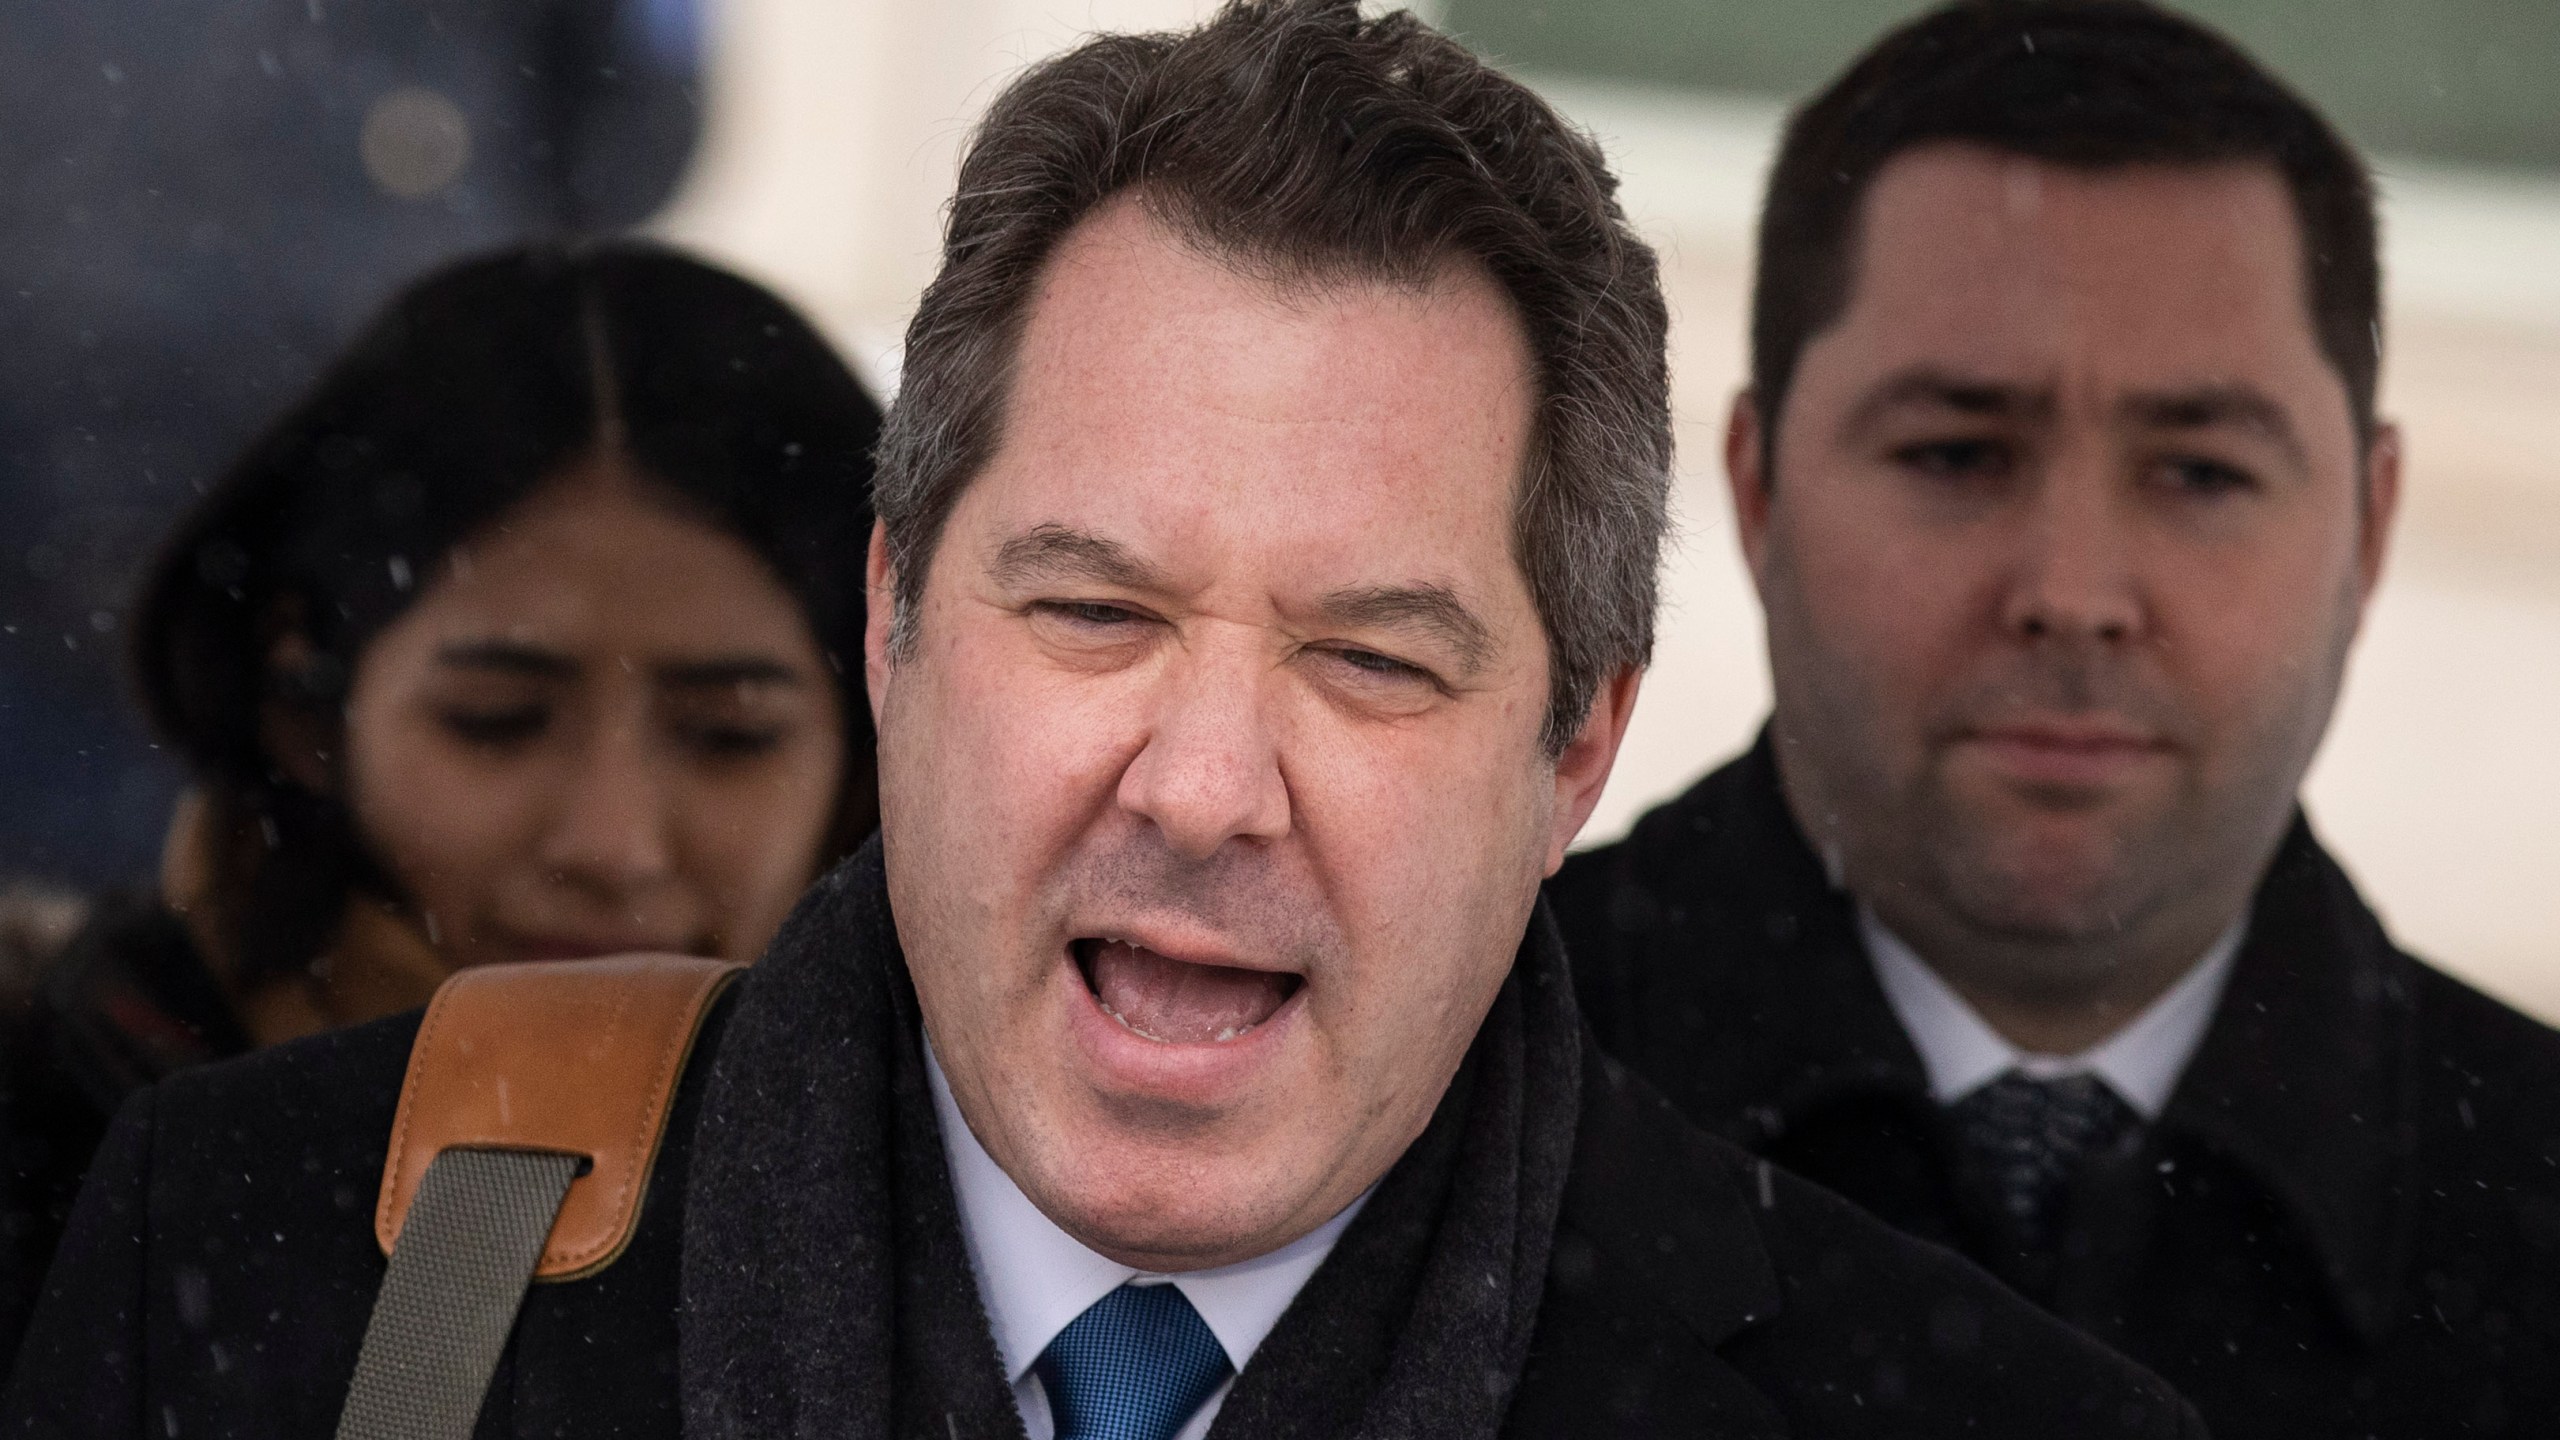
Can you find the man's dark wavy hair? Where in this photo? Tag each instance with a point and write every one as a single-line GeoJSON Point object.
{"type": "Point", "coordinates": [1302, 142]}
{"type": "Point", "coordinates": [2091, 84]}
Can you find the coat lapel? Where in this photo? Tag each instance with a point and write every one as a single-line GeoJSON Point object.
{"type": "Point", "coordinates": [819, 1206]}
{"type": "Point", "coordinates": [1658, 1264]}
{"type": "Point", "coordinates": [2309, 1078]}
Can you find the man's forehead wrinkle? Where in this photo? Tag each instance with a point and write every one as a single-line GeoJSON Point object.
{"type": "Point", "coordinates": [1055, 551]}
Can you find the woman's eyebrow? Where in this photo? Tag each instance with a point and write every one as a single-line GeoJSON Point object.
{"type": "Point", "coordinates": [724, 672]}
{"type": "Point", "coordinates": [509, 657]}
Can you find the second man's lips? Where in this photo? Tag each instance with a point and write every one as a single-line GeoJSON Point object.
{"type": "Point", "coordinates": [2071, 752]}
{"type": "Point", "coordinates": [2082, 735]}
{"type": "Point", "coordinates": [1179, 1002]}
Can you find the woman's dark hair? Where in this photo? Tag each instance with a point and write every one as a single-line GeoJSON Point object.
{"type": "Point", "coordinates": [476, 386]}
{"type": "Point", "coordinates": [2090, 84]}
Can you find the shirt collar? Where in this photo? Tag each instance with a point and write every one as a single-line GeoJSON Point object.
{"type": "Point", "coordinates": [2141, 1061]}
{"type": "Point", "coordinates": [1036, 1278]}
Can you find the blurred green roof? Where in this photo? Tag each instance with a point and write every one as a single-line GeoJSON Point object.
{"type": "Point", "coordinates": [2466, 81]}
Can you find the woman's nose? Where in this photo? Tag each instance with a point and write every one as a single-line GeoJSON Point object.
{"type": "Point", "coordinates": [612, 828]}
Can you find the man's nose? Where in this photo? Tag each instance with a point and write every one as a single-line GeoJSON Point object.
{"type": "Point", "coordinates": [1210, 772]}
{"type": "Point", "coordinates": [611, 826]}
{"type": "Point", "coordinates": [2073, 573]}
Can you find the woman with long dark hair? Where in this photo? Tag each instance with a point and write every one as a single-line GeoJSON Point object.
{"type": "Point", "coordinates": [532, 631]}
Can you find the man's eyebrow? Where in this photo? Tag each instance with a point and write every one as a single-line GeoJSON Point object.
{"type": "Point", "coordinates": [1435, 610]}
{"type": "Point", "coordinates": [510, 657]}
{"type": "Point", "coordinates": [2207, 406]}
{"type": "Point", "coordinates": [1948, 390]}
{"type": "Point", "coordinates": [1058, 552]}
{"type": "Point", "coordinates": [722, 673]}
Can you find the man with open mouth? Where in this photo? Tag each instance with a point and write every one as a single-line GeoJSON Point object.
{"type": "Point", "coordinates": [1269, 522]}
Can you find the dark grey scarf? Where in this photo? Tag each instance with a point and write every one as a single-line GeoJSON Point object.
{"type": "Point", "coordinates": [827, 1291]}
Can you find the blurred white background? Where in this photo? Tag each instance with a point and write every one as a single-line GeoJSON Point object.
{"type": "Point", "coordinates": [834, 127]}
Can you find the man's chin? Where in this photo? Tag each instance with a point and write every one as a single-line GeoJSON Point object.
{"type": "Point", "coordinates": [1174, 1224]}
{"type": "Point", "coordinates": [2059, 880]}
{"type": "Point", "coordinates": [2043, 902]}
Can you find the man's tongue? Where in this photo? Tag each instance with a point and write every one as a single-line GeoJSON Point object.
{"type": "Point", "coordinates": [1183, 1004]}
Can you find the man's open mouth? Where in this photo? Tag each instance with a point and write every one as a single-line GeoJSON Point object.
{"type": "Point", "coordinates": [1176, 1001]}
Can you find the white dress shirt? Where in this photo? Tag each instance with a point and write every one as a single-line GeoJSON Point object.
{"type": "Point", "coordinates": [1036, 1278]}
{"type": "Point", "coordinates": [2141, 1062]}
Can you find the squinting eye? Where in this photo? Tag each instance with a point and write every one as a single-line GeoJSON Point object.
{"type": "Point", "coordinates": [497, 729]}
{"type": "Point", "coordinates": [1384, 667]}
{"type": "Point", "coordinates": [1088, 612]}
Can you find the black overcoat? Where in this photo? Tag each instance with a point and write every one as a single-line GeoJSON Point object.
{"type": "Point", "coordinates": [2346, 1222]}
{"type": "Point", "coordinates": [220, 1265]}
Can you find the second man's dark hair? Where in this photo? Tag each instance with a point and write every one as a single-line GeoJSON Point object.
{"type": "Point", "coordinates": [2090, 84]}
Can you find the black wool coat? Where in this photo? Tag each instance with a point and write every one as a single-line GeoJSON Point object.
{"type": "Point", "coordinates": [2346, 1222]}
{"type": "Point", "coordinates": [220, 1266]}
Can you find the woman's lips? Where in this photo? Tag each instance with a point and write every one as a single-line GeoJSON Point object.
{"type": "Point", "coordinates": [566, 947]}
{"type": "Point", "coordinates": [1179, 1002]}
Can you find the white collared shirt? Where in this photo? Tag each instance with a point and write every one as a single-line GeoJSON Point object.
{"type": "Point", "coordinates": [1036, 1278]}
{"type": "Point", "coordinates": [2141, 1062]}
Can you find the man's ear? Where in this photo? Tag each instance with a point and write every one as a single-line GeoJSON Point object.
{"type": "Point", "coordinates": [2380, 502]}
{"type": "Point", "coordinates": [299, 723]}
{"type": "Point", "coordinates": [879, 616]}
{"type": "Point", "coordinates": [1582, 771]}
{"type": "Point", "coordinates": [1746, 454]}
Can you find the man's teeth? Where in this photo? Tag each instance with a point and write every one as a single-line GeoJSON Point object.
{"type": "Point", "coordinates": [1177, 1002]}
{"type": "Point", "coordinates": [1230, 1033]}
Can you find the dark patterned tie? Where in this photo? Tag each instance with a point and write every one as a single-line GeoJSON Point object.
{"type": "Point", "coordinates": [1133, 1366]}
{"type": "Point", "coordinates": [2021, 1141]}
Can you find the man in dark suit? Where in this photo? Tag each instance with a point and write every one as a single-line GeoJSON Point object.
{"type": "Point", "coordinates": [2061, 484]}
{"type": "Point", "coordinates": [1189, 1049]}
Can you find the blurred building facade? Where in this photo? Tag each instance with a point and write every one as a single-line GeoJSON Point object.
{"type": "Point", "coordinates": [198, 206]}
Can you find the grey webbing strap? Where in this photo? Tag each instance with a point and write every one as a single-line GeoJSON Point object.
{"type": "Point", "coordinates": [457, 1277]}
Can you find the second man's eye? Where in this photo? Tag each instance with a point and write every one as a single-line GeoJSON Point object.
{"type": "Point", "coordinates": [2198, 476]}
{"type": "Point", "coordinates": [1956, 459]}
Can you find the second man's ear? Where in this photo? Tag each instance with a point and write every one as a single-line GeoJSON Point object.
{"type": "Point", "coordinates": [1746, 468]}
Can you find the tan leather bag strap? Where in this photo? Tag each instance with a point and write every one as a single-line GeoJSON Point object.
{"type": "Point", "coordinates": [577, 1057]}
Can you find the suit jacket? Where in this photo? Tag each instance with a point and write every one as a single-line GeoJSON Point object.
{"type": "Point", "coordinates": [220, 1266]}
{"type": "Point", "coordinates": [2345, 1222]}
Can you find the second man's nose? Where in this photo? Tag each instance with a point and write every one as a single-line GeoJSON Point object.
{"type": "Point", "coordinates": [2073, 576]}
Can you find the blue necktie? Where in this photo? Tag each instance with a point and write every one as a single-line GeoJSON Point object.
{"type": "Point", "coordinates": [1134, 1366]}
